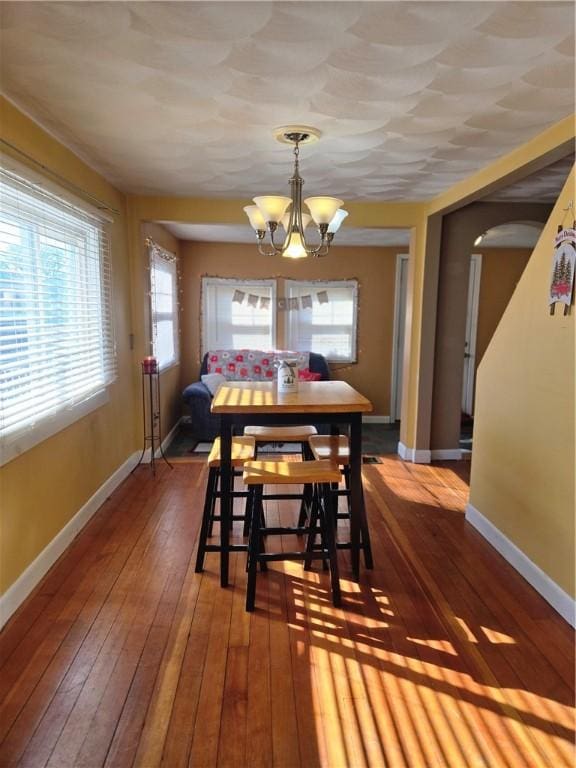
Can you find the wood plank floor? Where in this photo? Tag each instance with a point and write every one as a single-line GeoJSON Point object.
{"type": "Point", "coordinates": [442, 656]}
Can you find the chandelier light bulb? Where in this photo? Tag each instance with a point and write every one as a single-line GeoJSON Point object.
{"type": "Point", "coordinates": [295, 248]}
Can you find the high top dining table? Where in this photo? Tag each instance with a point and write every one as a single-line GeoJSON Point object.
{"type": "Point", "coordinates": [315, 402]}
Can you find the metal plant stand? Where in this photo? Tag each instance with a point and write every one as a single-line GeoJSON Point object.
{"type": "Point", "coordinates": [151, 416]}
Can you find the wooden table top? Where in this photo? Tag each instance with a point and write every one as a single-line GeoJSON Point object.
{"type": "Point", "coordinates": [311, 397]}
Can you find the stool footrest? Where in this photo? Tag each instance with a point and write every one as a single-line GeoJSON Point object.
{"type": "Point", "coordinates": [313, 555]}
{"type": "Point", "coordinates": [288, 530]}
{"type": "Point", "coordinates": [231, 548]}
{"type": "Point", "coordinates": [280, 496]}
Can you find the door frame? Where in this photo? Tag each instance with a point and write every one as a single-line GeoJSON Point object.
{"type": "Point", "coordinates": [473, 302]}
{"type": "Point", "coordinates": [402, 263]}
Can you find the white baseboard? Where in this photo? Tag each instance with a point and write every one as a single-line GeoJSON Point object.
{"type": "Point", "coordinates": [416, 455]}
{"type": "Point", "coordinates": [535, 576]}
{"type": "Point", "coordinates": [19, 591]}
{"type": "Point", "coordinates": [446, 454]}
{"type": "Point", "coordinates": [377, 420]}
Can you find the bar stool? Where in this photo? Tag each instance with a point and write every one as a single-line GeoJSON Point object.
{"type": "Point", "coordinates": [293, 434]}
{"type": "Point", "coordinates": [243, 450]}
{"type": "Point", "coordinates": [320, 475]}
{"type": "Point", "coordinates": [336, 448]}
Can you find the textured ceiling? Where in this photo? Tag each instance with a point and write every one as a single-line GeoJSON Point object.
{"type": "Point", "coordinates": [181, 98]}
{"type": "Point", "coordinates": [543, 187]}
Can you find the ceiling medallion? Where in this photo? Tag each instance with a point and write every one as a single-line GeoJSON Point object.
{"type": "Point", "coordinates": [271, 210]}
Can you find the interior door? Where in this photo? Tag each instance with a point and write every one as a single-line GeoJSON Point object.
{"type": "Point", "coordinates": [470, 340]}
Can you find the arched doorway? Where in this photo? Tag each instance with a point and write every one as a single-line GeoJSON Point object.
{"type": "Point", "coordinates": [492, 226]}
{"type": "Point", "coordinates": [496, 264]}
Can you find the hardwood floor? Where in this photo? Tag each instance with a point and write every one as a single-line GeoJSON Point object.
{"type": "Point", "coordinates": [442, 656]}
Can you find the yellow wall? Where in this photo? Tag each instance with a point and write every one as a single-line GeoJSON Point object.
{"type": "Point", "coordinates": [42, 489]}
{"type": "Point", "coordinates": [523, 459]}
{"type": "Point", "coordinates": [374, 268]}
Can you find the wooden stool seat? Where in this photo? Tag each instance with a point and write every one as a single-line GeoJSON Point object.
{"type": "Point", "coordinates": [290, 472]}
{"type": "Point", "coordinates": [243, 449]}
{"type": "Point", "coordinates": [297, 434]}
{"type": "Point", "coordinates": [336, 448]}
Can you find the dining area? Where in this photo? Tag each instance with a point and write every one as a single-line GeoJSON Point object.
{"type": "Point", "coordinates": [438, 653]}
{"type": "Point", "coordinates": [322, 484]}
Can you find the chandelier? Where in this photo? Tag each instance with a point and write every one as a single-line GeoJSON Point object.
{"type": "Point", "coordinates": [272, 210]}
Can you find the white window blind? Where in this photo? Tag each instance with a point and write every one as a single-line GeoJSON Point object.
{"type": "Point", "coordinates": [56, 336]}
{"type": "Point", "coordinates": [164, 305]}
{"type": "Point", "coordinates": [329, 325]}
{"type": "Point", "coordinates": [246, 324]}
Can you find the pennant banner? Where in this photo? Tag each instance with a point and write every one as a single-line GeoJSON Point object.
{"type": "Point", "coordinates": [282, 304]}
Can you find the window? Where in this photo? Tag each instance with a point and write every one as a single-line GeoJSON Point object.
{"type": "Point", "coordinates": [238, 314]}
{"type": "Point", "coordinates": [57, 351]}
{"type": "Point", "coordinates": [327, 319]}
{"type": "Point", "coordinates": [164, 305]}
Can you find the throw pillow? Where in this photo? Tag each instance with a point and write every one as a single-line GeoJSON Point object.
{"type": "Point", "coordinates": [213, 381]}
{"type": "Point", "coordinates": [305, 374]}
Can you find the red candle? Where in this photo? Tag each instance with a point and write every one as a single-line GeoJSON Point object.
{"type": "Point", "coordinates": [150, 365]}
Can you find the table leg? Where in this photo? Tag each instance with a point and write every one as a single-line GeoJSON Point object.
{"type": "Point", "coordinates": [225, 498]}
{"type": "Point", "coordinates": [355, 491]}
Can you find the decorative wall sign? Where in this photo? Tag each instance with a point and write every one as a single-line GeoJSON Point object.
{"type": "Point", "coordinates": [564, 261]}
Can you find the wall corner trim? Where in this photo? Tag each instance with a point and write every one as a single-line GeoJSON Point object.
{"type": "Point", "coordinates": [15, 595]}
{"type": "Point", "coordinates": [415, 455]}
{"type": "Point", "coordinates": [535, 576]}
{"type": "Point", "coordinates": [446, 454]}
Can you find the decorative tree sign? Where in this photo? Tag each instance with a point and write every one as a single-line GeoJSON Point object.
{"type": "Point", "coordinates": [562, 282]}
